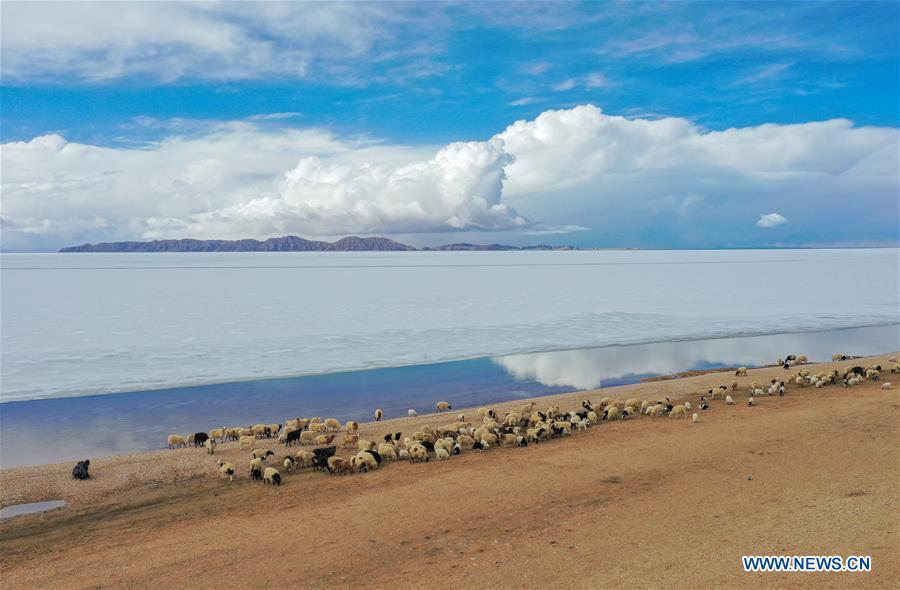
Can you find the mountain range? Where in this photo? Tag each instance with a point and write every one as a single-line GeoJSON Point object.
{"type": "Point", "coordinates": [287, 244]}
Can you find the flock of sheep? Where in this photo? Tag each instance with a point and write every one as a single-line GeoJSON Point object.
{"type": "Point", "coordinates": [518, 428]}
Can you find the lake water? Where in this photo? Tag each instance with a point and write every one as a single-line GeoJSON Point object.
{"type": "Point", "coordinates": [92, 426]}
{"type": "Point", "coordinates": [84, 324]}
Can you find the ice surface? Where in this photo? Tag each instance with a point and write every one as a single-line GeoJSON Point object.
{"type": "Point", "coordinates": [77, 324]}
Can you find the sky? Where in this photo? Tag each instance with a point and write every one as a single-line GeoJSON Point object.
{"type": "Point", "coordinates": [605, 124]}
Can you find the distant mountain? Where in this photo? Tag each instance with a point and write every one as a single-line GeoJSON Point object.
{"type": "Point", "coordinates": [285, 244]}
{"type": "Point", "coordinates": [492, 247]}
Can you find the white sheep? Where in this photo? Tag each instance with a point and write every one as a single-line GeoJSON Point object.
{"type": "Point", "coordinates": [288, 464]}
{"type": "Point", "coordinates": [210, 445]}
{"type": "Point", "coordinates": [387, 452]}
{"type": "Point", "coordinates": [175, 440]}
{"type": "Point", "coordinates": [687, 406]}
{"type": "Point", "coordinates": [443, 406]}
{"type": "Point", "coordinates": [226, 470]}
{"type": "Point", "coordinates": [262, 454]}
{"type": "Point", "coordinates": [246, 440]}
{"type": "Point", "coordinates": [751, 402]}
{"type": "Point", "coordinates": [403, 455]}
{"type": "Point", "coordinates": [441, 454]}
{"type": "Point", "coordinates": [378, 414]}
{"type": "Point", "coordinates": [271, 476]}
{"type": "Point", "coordinates": [695, 418]}
{"type": "Point", "coordinates": [412, 413]}
{"type": "Point", "coordinates": [886, 385]}
{"type": "Point", "coordinates": [728, 400]}
{"type": "Point", "coordinates": [332, 425]}
{"type": "Point", "coordinates": [678, 411]}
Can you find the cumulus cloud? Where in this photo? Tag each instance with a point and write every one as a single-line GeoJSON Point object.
{"type": "Point", "coordinates": [562, 171]}
{"type": "Point", "coordinates": [771, 220]}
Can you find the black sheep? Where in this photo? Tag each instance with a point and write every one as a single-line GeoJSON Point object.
{"type": "Point", "coordinates": [80, 471]}
{"type": "Point", "coordinates": [429, 446]}
{"type": "Point", "coordinates": [256, 474]}
{"type": "Point", "coordinates": [376, 455]}
{"type": "Point", "coordinates": [292, 437]}
{"type": "Point", "coordinates": [200, 439]}
{"type": "Point", "coordinates": [320, 460]}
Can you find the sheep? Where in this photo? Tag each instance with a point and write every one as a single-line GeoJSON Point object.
{"type": "Point", "coordinates": [262, 454]}
{"type": "Point", "coordinates": [363, 461]}
{"type": "Point", "coordinates": [332, 425]}
{"type": "Point", "coordinates": [441, 454]}
{"type": "Point", "coordinates": [460, 417]}
{"type": "Point", "coordinates": [892, 359]}
{"type": "Point", "coordinates": [687, 406]}
{"type": "Point", "coordinates": [465, 441]}
{"type": "Point", "coordinates": [873, 374]}
{"type": "Point", "coordinates": [728, 400]}
{"type": "Point", "coordinates": [318, 427]}
{"type": "Point", "coordinates": [507, 440]}
{"type": "Point", "coordinates": [175, 441]}
{"type": "Point", "coordinates": [741, 372]}
{"type": "Point", "coordinates": [657, 410]}
{"type": "Point", "coordinates": [288, 464]}
{"type": "Point", "coordinates": [443, 406]}
{"type": "Point", "coordinates": [272, 429]}
{"type": "Point", "coordinates": [365, 445]}
{"type": "Point", "coordinates": [289, 437]}
{"type": "Point", "coordinates": [633, 402]}
{"type": "Point", "coordinates": [352, 427]}
{"type": "Point", "coordinates": [80, 471]}
{"type": "Point", "coordinates": [210, 445]}
{"type": "Point", "coordinates": [271, 476]}
{"type": "Point", "coordinates": [403, 455]}
{"type": "Point", "coordinates": [258, 430]}
{"type": "Point", "coordinates": [246, 440]}
{"type": "Point", "coordinates": [886, 385]}
{"type": "Point", "coordinates": [349, 440]}
{"type": "Point", "coordinates": [895, 368]}
{"type": "Point", "coordinates": [320, 459]}
{"type": "Point", "coordinates": [226, 470]}
{"type": "Point", "coordinates": [217, 433]}
{"type": "Point", "coordinates": [720, 391]}
{"type": "Point", "coordinates": [338, 465]}
{"type": "Point", "coordinates": [734, 385]}
{"type": "Point", "coordinates": [704, 406]}
{"type": "Point", "coordinates": [489, 438]}
{"type": "Point", "coordinates": [695, 418]}
{"type": "Point", "coordinates": [307, 437]}
{"type": "Point", "coordinates": [644, 405]}
{"type": "Point", "coordinates": [751, 402]}
{"type": "Point", "coordinates": [678, 411]}
{"type": "Point", "coordinates": [305, 458]}
{"type": "Point", "coordinates": [612, 413]}
{"type": "Point", "coordinates": [324, 439]}
{"type": "Point", "coordinates": [388, 452]}
{"type": "Point", "coordinates": [838, 357]}
{"type": "Point", "coordinates": [378, 414]}
{"type": "Point", "coordinates": [801, 359]}
{"type": "Point", "coordinates": [417, 453]}
{"type": "Point", "coordinates": [411, 413]}
{"type": "Point", "coordinates": [526, 408]}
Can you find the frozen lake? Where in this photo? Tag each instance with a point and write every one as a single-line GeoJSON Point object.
{"type": "Point", "coordinates": [80, 324]}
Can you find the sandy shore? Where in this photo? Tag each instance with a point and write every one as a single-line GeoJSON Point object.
{"type": "Point", "coordinates": [643, 503]}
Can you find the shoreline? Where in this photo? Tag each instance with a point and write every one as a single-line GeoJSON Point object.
{"type": "Point", "coordinates": [672, 493]}
{"type": "Point", "coordinates": [677, 386]}
{"type": "Point", "coordinates": [460, 359]}
{"type": "Point", "coordinates": [127, 423]}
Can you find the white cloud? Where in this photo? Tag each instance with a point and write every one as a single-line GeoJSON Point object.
{"type": "Point", "coordinates": [577, 167]}
{"type": "Point", "coordinates": [565, 85]}
{"type": "Point", "coordinates": [771, 220]}
{"type": "Point", "coordinates": [169, 41]}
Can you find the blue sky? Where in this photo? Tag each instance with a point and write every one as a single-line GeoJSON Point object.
{"type": "Point", "coordinates": [153, 89]}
